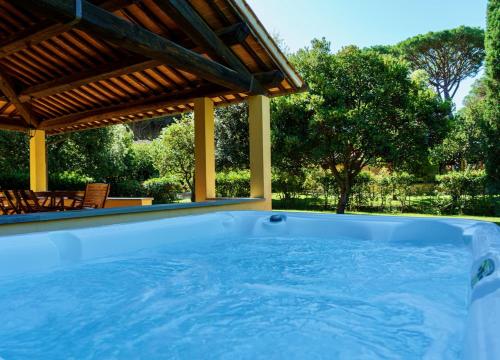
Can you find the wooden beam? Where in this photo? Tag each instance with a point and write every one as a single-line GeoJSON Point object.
{"type": "Point", "coordinates": [31, 36]}
{"type": "Point", "coordinates": [198, 30]}
{"type": "Point", "coordinates": [126, 66]}
{"type": "Point", "coordinates": [133, 107]}
{"type": "Point", "coordinates": [234, 34]}
{"type": "Point", "coordinates": [105, 71]}
{"type": "Point", "coordinates": [46, 29]}
{"type": "Point", "coordinates": [8, 89]}
{"type": "Point", "coordinates": [270, 78]}
{"type": "Point", "coordinates": [7, 123]}
{"type": "Point", "coordinates": [137, 39]}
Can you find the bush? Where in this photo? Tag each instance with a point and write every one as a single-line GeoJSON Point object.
{"type": "Point", "coordinates": [127, 188]}
{"type": "Point", "coordinates": [289, 185]}
{"type": "Point", "coordinates": [68, 180]}
{"type": "Point", "coordinates": [14, 180]}
{"type": "Point", "coordinates": [163, 189]}
{"type": "Point", "coordinates": [363, 192]}
{"type": "Point", "coordinates": [463, 187]}
{"type": "Point", "coordinates": [320, 182]}
{"type": "Point", "coordinates": [402, 185]}
{"type": "Point", "coordinates": [233, 183]}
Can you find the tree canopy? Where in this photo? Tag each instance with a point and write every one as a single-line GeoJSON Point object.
{"type": "Point", "coordinates": [492, 111]}
{"type": "Point", "coordinates": [448, 56]}
{"type": "Point", "coordinates": [174, 152]}
{"type": "Point", "coordinates": [365, 108]}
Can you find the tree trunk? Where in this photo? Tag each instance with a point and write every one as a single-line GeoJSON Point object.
{"type": "Point", "coordinates": [343, 199]}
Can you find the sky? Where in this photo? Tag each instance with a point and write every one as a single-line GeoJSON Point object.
{"type": "Point", "coordinates": [366, 22]}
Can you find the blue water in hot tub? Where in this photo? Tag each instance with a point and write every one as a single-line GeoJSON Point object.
{"type": "Point", "coordinates": [245, 298]}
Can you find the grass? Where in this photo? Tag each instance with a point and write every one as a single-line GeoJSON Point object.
{"type": "Point", "coordinates": [493, 219]}
{"type": "Point", "coordinates": [315, 206]}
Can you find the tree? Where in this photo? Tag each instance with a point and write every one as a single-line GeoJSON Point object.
{"type": "Point", "coordinates": [364, 111]}
{"type": "Point", "coordinates": [231, 137]}
{"type": "Point", "coordinates": [174, 152]}
{"type": "Point", "coordinates": [289, 138]}
{"type": "Point", "coordinates": [466, 143]}
{"type": "Point", "coordinates": [492, 111]}
{"type": "Point", "coordinates": [103, 154]}
{"type": "Point", "coordinates": [448, 56]}
{"type": "Point", "coordinates": [14, 151]}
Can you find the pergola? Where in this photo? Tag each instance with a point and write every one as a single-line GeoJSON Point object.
{"type": "Point", "coordinates": [71, 65]}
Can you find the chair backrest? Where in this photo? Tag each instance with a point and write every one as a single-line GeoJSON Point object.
{"type": "Point", "coordinates": [95, 195]}
{"type": "Point", "coordinates": [5, 208]}
{"type": "Point", "coordinates": [29, 201]}
{"type": "Point", "coordinates": [13, 201]}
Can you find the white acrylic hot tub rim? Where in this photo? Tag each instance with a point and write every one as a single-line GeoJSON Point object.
{"type": "Point", "coordinates": [43, 251]}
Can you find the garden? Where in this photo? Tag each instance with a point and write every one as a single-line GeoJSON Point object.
{"type": "Point", "coordinates": [377, 131]}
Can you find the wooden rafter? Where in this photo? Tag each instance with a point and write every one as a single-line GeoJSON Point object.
{"type": "Point", "coordinates": [202, 35]}
{"type": "Point", "coordinates": [106, 71]}
{"type": "Point", "coordinates": [8, 89]}
{"type": "Point", "coordinates": [137, 39]}
{"type": "Point", "coordinates": [7, 123]}
{"type": "Point", "coordinates": [234, 34]}
{"type": "Point", "coordinates": [132, 107]}
{"type": "Point", "coordinates": [125, 66]}
{"type": "Point", "coordinates": [46, 29]}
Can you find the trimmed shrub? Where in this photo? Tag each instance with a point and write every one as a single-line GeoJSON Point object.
{"type": "Point", "coordinates": [14, 180]}
{"type": "Point", "coordinates": [463, 188]}
{"type": "Point", "coordinates": [164, 190]}
{"type": "Point", "coordinates": [68, 180]}
{"type": "Point", "coordinates": [127, 188]}
{"type": "Point", "coordinates": [233, 183]}
{"type": "Point", "coordinates": [289, 185]}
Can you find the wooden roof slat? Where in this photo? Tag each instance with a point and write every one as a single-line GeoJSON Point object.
{"type": "Point", "coordinates": [139, 40]}
{"type": "Point", "coordinates": [105, 71]}
{"type": "Point", "coordinates": [140, 62]}
{"type": "Point", "coordinates": [131, 107]}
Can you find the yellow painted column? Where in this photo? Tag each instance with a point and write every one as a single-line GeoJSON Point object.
{"type": "Point", "coordinates": [204, 152]}
{"type": "Point", "coordinates": [38, 161]}
{"type": "Point", "coordinates": [259, 118]}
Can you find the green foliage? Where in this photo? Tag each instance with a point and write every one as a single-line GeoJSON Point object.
{"type": "Point", "coordinates": [466, 143]}
{"type": "Point", "coordinates": [14, 153]}
{"type": "Point", "coordinates": [402, 187]}
{"type": "Point", "coordinates": [320, 182]}
{"type": "Point", "coordinates": [127, 188]}
{"type": "Point", "coordinates": [462, 186]}
{"type": "Point", "coordinates": [142, 164]}
{"type": "Point", "coordinates": [68, 180]}
{"type": "Point", "coordinates": [173, 152]}
{"type": "Point", "coordinates": [290, 133]}
{"type": "Point", "coordinates": [231, 137]}
{"type": "Point", "coordinates": [462, 47]}
{"type": "Point", "coordinates": [365, 109]}
{"type": "Point", "coordinates": [14, 179]}
{"type": "Point", "coordinates": [233, 183]}
{"type": "Point", "coordinates": [163, 189]}
{"type": "Point", "coordinates": [104, 153]}
{"type": "Point", "coordinates": [492, 106]}
{"type": "Point", "coordinates": [288, 185]}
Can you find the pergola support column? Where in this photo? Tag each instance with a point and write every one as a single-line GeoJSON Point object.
{"type": "Point", "coordinates": [204, 149]}
{"type": "Point", "coordinates": [259, 115]}
{"type": "Point", "coordinates": [38, 161]}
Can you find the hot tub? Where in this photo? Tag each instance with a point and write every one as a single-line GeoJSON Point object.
{"type": "Point", "coordinates": [254, 285]}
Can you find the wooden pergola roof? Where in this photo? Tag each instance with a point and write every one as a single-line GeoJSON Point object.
{"type": "Point", "coordinates": [69, 65]}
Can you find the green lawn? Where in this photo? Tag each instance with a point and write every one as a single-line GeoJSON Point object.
{"type": "Point", "coordinates": [482, 218]}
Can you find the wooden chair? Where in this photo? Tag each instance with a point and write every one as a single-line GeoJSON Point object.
{"type": "Point", "coordinates": [94, 198]}
{"type": "Point", "coordinates": [11, 204]}
{"type": "Point", "coordinates": [31, 203]}
{"type": "Point", "coordinates": [6, 208]}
